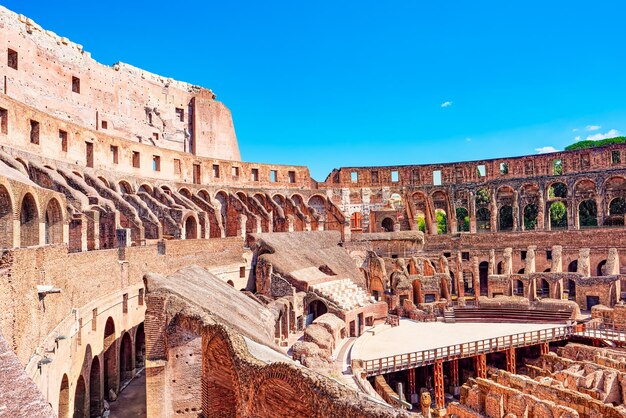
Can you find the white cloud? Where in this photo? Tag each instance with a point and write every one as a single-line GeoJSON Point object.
{"type": "Point", "coordinates": [575, 130]}
{"type": "Point", "coordinates": [446, 104]}
{"type": "Point", "coordinates": [468, 139]}
{"type": "Point", "coordinates": [599, 136]}
{"type": "Point", "coordinates": [545, 150]}
{"type": "Point", "coordinates": [593, 127]}
{"type": "Point", "coordinates": [577, 138]}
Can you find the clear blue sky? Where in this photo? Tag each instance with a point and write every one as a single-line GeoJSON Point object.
{"type": "Point", "coordinates": [346, 83]}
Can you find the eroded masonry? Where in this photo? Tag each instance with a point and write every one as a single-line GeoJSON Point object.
{"type": "Point", "coordinates": [137, 245]}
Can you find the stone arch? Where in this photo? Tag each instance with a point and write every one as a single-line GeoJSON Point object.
{"type": "Point", "coordinates": [6, 217]}
{"type": "Point", "coordinates": [441, 216]}
{"type": "Point", "coordinates": [145, 187]}
{"type": "Point", "coordinates": [80, 398]}
{"type": "Point", "coordinates": [317, 308]}
{"type": "Point", "coordinates": [104, 181]}
{"type": "Point", "coordinates": [505, 218]}
{"type": "Point", "coordinates": [125, 187]}
{"type": "Point", "coordinates": [191, 227]}
{"type": "Point", "coordinates": [462, 220]}
{"type": "Point", "coordinates": [587, 213]}
{"type": "Point", "coordinates": [109, 348]}
{"type": "Point", "coordinates": [600, 268]}
{"type": "Point", "coordinates": [557, 190]}
{"type": "Point", "coordinates": [531, 213]}
{"type": "Point", "coordinates": [29, 221]}
{"type": "Point", "coordinates": [297, 199]}
{"type": "Point", "coordinates": [279, 199]}
{"type": "Point", "coordinates": [126, 358]}
{"type": "Point", "coordinates": [543, 289]}
{"type": "Point", "coordinates": [387, 225]}
{"type": "Point", "coordinates": [185, 192]}
{"type": "Point", "coordinates": [518, 288]}
{"type": "Point", "coordinates": [219, 378]}
{"type": "Point", "coordinates": [573, 266]}
{"type": "Point", "coordinates": [64, 398]}
{"type": "Point", "coordinates": [483, 196]}
{"type": "Point", "coordinates": [617, 212]}
{"type": "Point", "coordinates": [140, 346]}
{"type": "Point", "coordinates": [53, 222]}
{"type": "Point", "coordinates": [95, 389]}
{"type": "Point", "coordinates": [585, 188]}
{"type": "Point", "coordinates": [276, 386]}
{"type": "Point", "coordinates": [204, 195]}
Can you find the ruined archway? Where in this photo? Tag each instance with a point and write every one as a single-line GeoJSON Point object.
{"type": "Point", "coordinates": [80, 398]}
{"type": "Point", "coordinates": [126, 358]}
{"type": "Point", "coordinates": [109, 348]}
{"type": "Point", "coordinates": [587, 214]}
{"type": "Point", "coordinates": [125, 187]}
{"type": "Point", "coordinates": [600, 268]}
{"type": "Point", "coordinates": [573, 266]}
{"type": "Point", "coordinates": [6, 218]}
{"type": "Point", "coordinates": [462, 220]}
{"type": "Point", "coordinates": [140, 346]}
{"type": "Point", "coordinates": [505, 218]}
{"type": "Point", "coordinates": [543, 288]}
{"type": "Point", "coordinates": [64, 398]}
{"type": "Point", "coordinates": [191, 228]}
{"type": "Point", "coordinates": [53, 222]}
{"type": "Point", "coordinates": [483, 220]}
{"type": "Point", "coordinates": [219, 379]}
{"type": "Point", "coordinates": [617, 212]}
{"type": "Point", "coordinates": [95, 391]}
{"type": "Point", "coordinates": [387, 225]}
{"type": "Point", "coordinates": [531, 211]}
{"type": "Point", "coordinates": [442, 221]}
{"type": "Point", "coordinates": [29, 221]}
{"type": "Point", "coordinates": [518, 288]}
{"type": "Point", "coordinates": [317, 308]}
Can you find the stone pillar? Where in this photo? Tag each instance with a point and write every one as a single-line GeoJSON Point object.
{"type": "Point", "coordinates": [476, 274]}
{"type": "Point", "coordinates": [544, 348]}
{"type": "Point", "coordinates": [508, 261]}
{"type": "Point", "coordinates": [511, 360]}
{"type": "Point", "coordinates": [530, 260]}
{"type": "Point", "coordinates": [454, 377]}
{"type": "Point", "coordinates": [412, 386]}
{"type": "Point", "coordinates": [440, 400]}
{"type": "Point", "coordinates": [472, 212]}
{"type": "Point", "coordinates": [492, 262]}
{"type": "Point", "coordinates": [452, 223]}
{"type": "Point", "coordinates": [557, 259]}
{"type": "Point", "coordinates": [458, 276]}
{"type": "Point", "coordinates": [600, 210]}
{"type": "Point", "coordinates": [612, 266]}
{"type": "Point", "coordinates": [516, 218]}
{"type": "Point", "coordinates": [494, 212]}
{"type": "Point", "coordinates": [584, 266]}
{"type": "Point", "coordinates": [480, 366]}
{"type": "Point", "coordinates": [541, 213]}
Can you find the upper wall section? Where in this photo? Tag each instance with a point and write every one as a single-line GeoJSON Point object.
{"type": "Point", "coordinates": [53, 75]}
{"type": "Point", "coordinates": [472, 172]}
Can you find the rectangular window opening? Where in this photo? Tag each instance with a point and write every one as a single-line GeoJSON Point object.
{"type": "Point", "coordinates": [105, 124]}
{"type": "Point", "coordinates": [437, 178]}
{"type": "Point", "coordinates": [557, 167]}
{"type": "Point", "coordinates": [273, 176]}
{"type": "Point", "coordinates": [394, 176]}
{"type": "Point", "coordinates": [34, 132]}
{"type": "Point", "coordinates": [63, 139]}
{"type": "Point", "coordinates": [255, 174]}
{"type": "Point", "coordinates": [549, 255]}
{"type": "Point", "coordinates": [216, 171]}
{"type": "Point", "coordinates": [155, 136]}
{"type": "Point", "coordinates": [180, 114]}
{"type": "Point", "coordinates": [523, 255]}
{"type": "Point", "coordinates": [136, 159]}
{"type": "Point", "coordinates": [504, 168]}
{"type": "Point", "coordinates": [354, 176]}
{"type": "Point", "coordinates": [89, 154]}
{"type": "Point", "coordinates": [482, 170]}
{"type": "Point", "coordinates": [616, 157]}
{"type": "Point", "coordinates": [292, 176]}
{"type": "Point", "coordinates": [4, 121]}
{"type": "Point", "coordinates": [197, 173]}
{"type": "Point", "coordinates": [12, 59]}
{"type": "Point", "coordinates": [242, 272]}
{"type": "Point", "coordinates": [375, 177]}
{"type": "Point", "coordinates": [176, 166]}
{"type": "Point", "coordinates": [465, 256]}
{"type": "Point", "coordinates": [114, 154]}
{"type": "Point", "coordinates": [75, 84]}
{"type": "Point", "coordinates": [156, 163]}
{"type": "Point", "coordinates": [235, 171]}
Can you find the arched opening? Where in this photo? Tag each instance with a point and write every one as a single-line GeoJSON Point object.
{"type": "Point", "coordinates": [204, 195]}
{"type": "Point", "coordinates": [483, 220]}
{"type": "Point", "coordinates": [104, 181]}
{"type": "Point", "coordinates": [600, 268]}
{"type": "Point", "coordinates": [64, 398]}
{"type": "Point", "coordinates": [571, 289]}
{"type": "Point", "coordinates": [95, 392]}
{"type": "Point", "coordinates": [572, 267]}
{"type": "Point", "coordinates": [483, 196]}
{"type": "Point", "coordinates": [617, 210]}
{"type": "Point", "coordinates": [483, 270]}
{"type": "Point", "coordinates": [145, 188]}
{"type": "Point", "coordinates": [218, 380]}
{"type": "Point", "coordinates": [191, 228]}
{"type": "Point", "coordinates": [558, 215]}
{"type": "Point", "coordinates": [500, 268]}
{"type": "Point", "coordinates": [230, 282]}
{"type": "Point", "coordinates": [468, 283]}
{"type": "Point", "coordinates": [506, 218]}
{"type": "Point", "coordinates": [462, 220]}
{"type": "Point", "coordinates": [531, 211]}
{"type": "Point", "coordinates": [518, 288]}
{"type": "Point", "coordinates": [29, 222]}
{"type": "Point", "coordinates": [387, 225]}
{"type": "Point", "coordinates": [185, 192]}
{"type": "Point", "coordinates": [442, 221]}
{"type": "Point", "coordinates": [125, 187]}
{"type": "Point", "coordinates": [54, 223]}
{"type": "Point", "coordinates": [544, 288]}
{"type": "Point", "coordinates": [126, 358]}
{"type": "Point", "coordinates": [317, 308]}
{"type": "Point", "coordinates": [587, 214]}
{"type": "Point", "coordinates": [557, 190]}
{"type": "Point", "coordinates": [140, 346]}
{"type": "Point", "coordinates": [6, 219]}
{"type": "Point", "coordinates": [420, 219]}
{"type": "Point", "coordinates": [79, 398]}
{"type": "Point", "coordinates": [110, 359]}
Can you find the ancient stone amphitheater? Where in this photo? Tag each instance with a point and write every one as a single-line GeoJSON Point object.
{"type": "Point", "coordinates": [146, 271]}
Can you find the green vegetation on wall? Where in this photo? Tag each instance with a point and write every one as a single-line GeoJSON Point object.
{"type": "Point", "coordinates": [593, 144]}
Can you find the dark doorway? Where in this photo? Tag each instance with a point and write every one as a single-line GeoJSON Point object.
{"type": "Point", "coordinates": [317, 308]}
{"type": "Point", "coordinates": [483, 270]}
{"type": "Point", "coordinates": [592, 301]}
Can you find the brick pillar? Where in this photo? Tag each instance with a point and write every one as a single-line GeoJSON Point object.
{"type": "Point", "coordinates": [454, 373]}
{"type": "Point", "coordinates": [544, 348]}
{"type": "Point", "coordinates": [511, 360]}
{"type": "Point", "coordinates": [412, 388]}
{"type": "Point", "coordinates": [440, 400]}
{"type": "Point", "coordinates": [480, 366]}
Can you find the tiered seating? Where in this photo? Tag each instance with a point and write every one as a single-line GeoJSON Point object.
{"type": "Point", "coordinates": [343, 293]}
{"type": "Point", "coordinates": [503, 314]}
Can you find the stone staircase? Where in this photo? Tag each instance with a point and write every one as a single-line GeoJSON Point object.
{"type": "Point", "coordinates": [343, 293]}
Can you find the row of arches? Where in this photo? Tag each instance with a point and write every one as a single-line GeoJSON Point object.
{"type": "Point", "coordinates": [102, 373]}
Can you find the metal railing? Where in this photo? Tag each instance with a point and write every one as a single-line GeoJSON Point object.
{"type": "Point", "coordinates": [602, 331]}
{"type": "Point", "coordinates": [399, 362]}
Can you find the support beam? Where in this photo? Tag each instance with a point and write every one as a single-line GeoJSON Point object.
{"type": "Point", "coordinates": [480, 366]}
{"type": "Point", "coordinates": [440, 400]}
{"type": "Point", "coordinates": [511, 360]}
{"type": "Point", "coordinates": [544, 348]}
{"type": "Point", "coordinates": [412, 388]}
{"type": "Point", "coordinates": [454, 373]}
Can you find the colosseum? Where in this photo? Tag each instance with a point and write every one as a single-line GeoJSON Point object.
{"type": "Point", "coordinates": [146, 271]}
